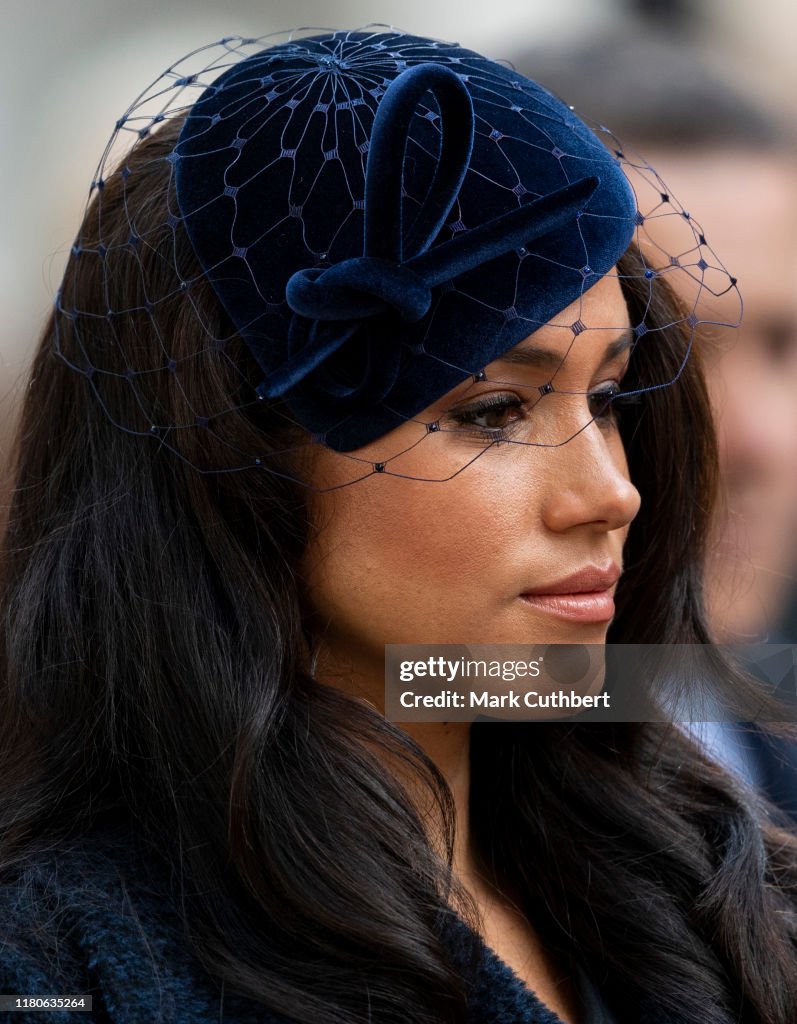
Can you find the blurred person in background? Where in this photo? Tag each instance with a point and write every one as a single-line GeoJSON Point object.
{"type": "Point", "coordinates": [737, 164]}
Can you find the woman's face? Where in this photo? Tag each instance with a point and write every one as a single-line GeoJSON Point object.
{"type": "Point", "coordinates": [397, 560]}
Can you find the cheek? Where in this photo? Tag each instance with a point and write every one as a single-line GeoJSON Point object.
{"type": "Point", "coordinates": [390, 542]}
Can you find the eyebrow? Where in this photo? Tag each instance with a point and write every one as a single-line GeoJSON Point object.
{"type": "Point", "coordinates": [545, 359]}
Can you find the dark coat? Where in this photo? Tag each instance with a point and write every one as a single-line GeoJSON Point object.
{"type": "Point", "coordinates": [86, 920]}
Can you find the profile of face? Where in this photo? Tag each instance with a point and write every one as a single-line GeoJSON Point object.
{"type": "Point", "coordinates": [748, 210]}
{"type": "Point", "coordinates": [417, 558]}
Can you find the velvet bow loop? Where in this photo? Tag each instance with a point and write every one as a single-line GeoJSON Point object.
{"type": "Point", "coordinates": [330, 306]}
{"type": "Point", "coordinates": [360, 287]}
{"type": "Point", "coordinates": [339, 305]}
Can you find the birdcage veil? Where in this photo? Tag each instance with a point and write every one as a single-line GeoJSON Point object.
{"type": "Point", "coordinates": [382, 219]}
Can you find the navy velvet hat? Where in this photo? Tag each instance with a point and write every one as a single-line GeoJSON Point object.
{"type": "Point", "coordinates": [381, 215]}
{"type": "Point", "coordinates": [376, 217]}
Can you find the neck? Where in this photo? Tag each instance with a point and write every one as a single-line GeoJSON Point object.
{"type": "Point", "coordinates": [448, 745]}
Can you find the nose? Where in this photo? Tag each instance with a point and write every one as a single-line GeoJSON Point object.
{"type": "Point", "coordinates": [590, 484]}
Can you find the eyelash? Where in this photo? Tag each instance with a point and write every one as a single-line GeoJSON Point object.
{"type": "Point", "coordinates": [610, 396]}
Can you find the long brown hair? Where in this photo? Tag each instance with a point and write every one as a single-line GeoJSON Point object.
{"type": "Point", "coordinates": [163, 607]}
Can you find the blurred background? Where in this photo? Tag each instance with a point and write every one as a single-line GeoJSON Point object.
{"type": "Point", "coordinates": [707, 88]}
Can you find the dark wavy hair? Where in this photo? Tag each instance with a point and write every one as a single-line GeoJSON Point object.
{"type": "Point", "coordinates": [164, 607]}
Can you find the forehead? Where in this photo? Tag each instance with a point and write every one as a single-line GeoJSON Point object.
{"type": "Point", "coordinates": [598, 315]}
{"type": "Point", "coordinates": [587, 335]}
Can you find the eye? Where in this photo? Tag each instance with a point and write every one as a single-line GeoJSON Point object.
{"type": "Point", "coordinates": [780, 340]}
{"type": "Point", "coordinates": [601, 400]}
{"type": "Point", "coordinates": [493, 416]}
{"type": "Point", "coordinates": [607, 401]}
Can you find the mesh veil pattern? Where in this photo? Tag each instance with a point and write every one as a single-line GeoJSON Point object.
{"type": "Point", "coordinates": [148, 283]}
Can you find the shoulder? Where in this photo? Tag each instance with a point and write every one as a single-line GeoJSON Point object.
{"type": "Point", "coordinates": [91, 918]}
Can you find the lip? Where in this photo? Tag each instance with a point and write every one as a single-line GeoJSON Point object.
{"type": "Point", "coordinates": [589, 580]}
{"type": "Point", "coordinates": [584, 596]}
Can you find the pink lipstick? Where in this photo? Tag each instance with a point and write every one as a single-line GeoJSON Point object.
{"type": "Point", "coordinates": [585, 596]}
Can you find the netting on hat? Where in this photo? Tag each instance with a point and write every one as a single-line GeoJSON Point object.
{"type": "Point", "coordinates": [138, 316]}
